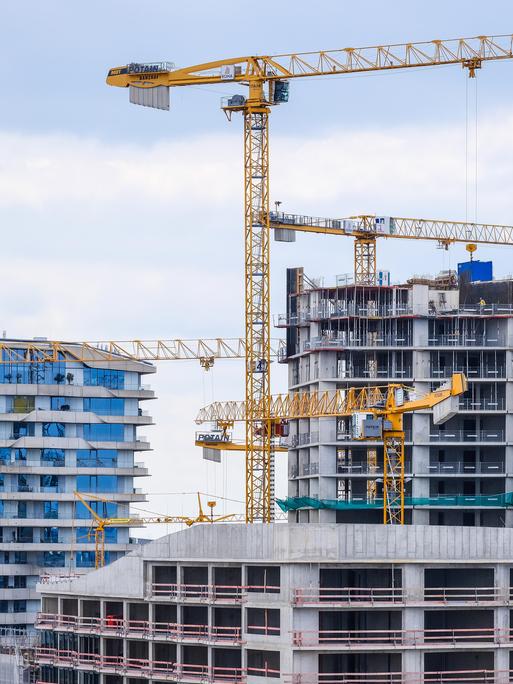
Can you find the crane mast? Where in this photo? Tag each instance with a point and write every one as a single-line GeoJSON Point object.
{"type": "Point", "coordinates": [149, 85]}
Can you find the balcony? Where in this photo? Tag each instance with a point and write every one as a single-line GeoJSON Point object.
{"type": "Point", "coordinates": [467, 436]}
{"type": "Point", "coordinates": [135, 667]}
{"type": "Point", "coordinates": [112, 626]}
{"type": "Point", "coordinates": [484, 404]}
{"type": "Point", "coordinates": [439, 677]}
{"type": "Point", "coordinates": [480, 371]}
{"type": "Point", "coordinates": [379, 639]}
{"type": "Point", "coordinates": [208, 593]}
{"type": "Point", "coordinates": [466, 340]}
{"type": "Point", "coordinates": [369, 597]}
{"type": "Point", "coordinates": [462, 468]}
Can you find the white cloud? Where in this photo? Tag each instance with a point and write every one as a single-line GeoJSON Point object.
{"type": "Point", "coordinates": [114, 241]}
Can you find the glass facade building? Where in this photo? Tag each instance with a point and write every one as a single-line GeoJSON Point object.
{"type": "Point", "coordinates": [65, 427]}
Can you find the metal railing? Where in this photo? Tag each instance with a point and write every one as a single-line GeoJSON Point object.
{"type": "Point", "coordinates": [171, 671]}
{"type": "Point", "coordinates": [401, 638]}
{"type": "Point", "coordinates": [200, 592]}
{"type": "Point", "coordinates": [439, 677]}
{"type": "Point", "coordinates": [472, 404]}
{"type": "Point", "coordinates": [460, 467]}
{"type": "Point", "coordinates": [481, 371]}
{"type": "Point", "coordinates": [378, 340]}
{"type": "Point", "coordinates": [132, 628]}
{"type": "Point", "coordinates": [389, 595]}
{"type": "Point", "coordinates": [467, 340]}
{"type": "Point", "coordinates": [467, 436]}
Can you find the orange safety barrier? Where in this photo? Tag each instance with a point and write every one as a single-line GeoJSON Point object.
{"type": "Point", "coordinates": [373, 595]}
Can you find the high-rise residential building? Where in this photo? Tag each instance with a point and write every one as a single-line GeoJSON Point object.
{"type": "Point", "coordinates": [419, 333]}
{"type": "Point", "coordinates": [334, 596]}
{"type": "Point", "coordinates": [65, 426]}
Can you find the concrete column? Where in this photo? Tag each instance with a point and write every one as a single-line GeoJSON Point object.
{"type": "Point", "coordinates": [413, 617]}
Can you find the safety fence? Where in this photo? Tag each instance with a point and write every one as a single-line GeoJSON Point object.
{"type": "Point", "coordinates": [115, 626]}
{"type": "Point", "coordinates": [440, 677]}
{"type": "Point", "coordinates": [210, 592]}
{"type": "Point", "coordinates": [401, 638]}
{"type": "Point", "coordinates": [386, 595]}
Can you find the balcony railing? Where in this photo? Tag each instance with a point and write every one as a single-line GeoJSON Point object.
{"type": "Point", "coordinates": [371, 596]}
{"type": "Point", "coordinates": [481, 371]}
{"type": "Point", "coordinates": [200, 592]}
{"type": "Point", "coordinates": [467, 436]}
{"type": "Point", "coordinates": [378, 340]}
{"type": "Point", "coordinates": [472, 404]}
{"type": "Point", "coordinates": [459, 467]}
{"type": "Point", "coordinates": [439, 677]}
{"type": "Point", "coordinates": [136, 628]}
{"type": "Point", "coordinates": [401, 638]}
{"type": "Point", "coordinates": [343, 310]}
{"type": "Point", "coordinates": [467, 340]}
{"type": "Point", "coordinates": [364, 469]}
{"type": "Point", "coordinates": [137, 667]}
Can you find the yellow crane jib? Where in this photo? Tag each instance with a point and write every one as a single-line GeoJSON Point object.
{"type": "Point", "coordinates": [267, 80]}
{"type": "Point", "coordinates": [367, 228]}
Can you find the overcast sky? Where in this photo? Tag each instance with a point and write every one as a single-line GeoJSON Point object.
{"type": "Point", "coordinates": [121, 222]}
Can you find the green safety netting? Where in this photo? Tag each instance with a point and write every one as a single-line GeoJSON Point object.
{"type": "Point", "coordinates": [293, 503]}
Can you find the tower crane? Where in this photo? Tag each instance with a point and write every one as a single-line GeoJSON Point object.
{"type": "Point", "coordinates": [366, 229]}
{"type": "Point", "coordinates": [101, 523]}
{"type": "Point", "coordinates": [267, 79]}
{"type": "Point", "coordinates": [376, 412]}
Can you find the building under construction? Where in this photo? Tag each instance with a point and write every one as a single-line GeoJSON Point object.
{"type": "Point", "coordinates": [315, 601]}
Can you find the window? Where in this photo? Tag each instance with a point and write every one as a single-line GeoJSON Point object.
{"type": "Point", "coordinates": [22, 430]}
{"type": "Point", "coordinates": [53, 559]}
{"type": "Point", "coordinates": [20, 582]}
{"type": "Point", "coordinates": [4, 606]}
{"type": "Point", "coordinates": [54, 457]}
{"type": "Point", "coordinates": [84, 535]}
{"type": "Point", "coordinates": [33, 373]}
{"type": "Point", "coordinates": [24, 535]}
{"type": "Point", "coordinates": [265, 621]}
{"type": "Point", "coordinates": [20, 454]}
{"type": "Point", "coordinates": [23, 485]}
{"type": "Point", "coordinates": [104, 377]}
{"type": "Point", "coordinates": [104, 509]}
{"type": "Point", "coordinates": [263, 579]}
{"type": "Point", "coordinates": [97, 483]}
{"type": "Point", "coordinates": [104, 432]}
{"type": "Point", "coordinates": [86, 559]}
{"type": "Point", "coordinates": [5, 454]}
{"type": "Point", "coordinates": [21, 404]}
{"type": "Point", "coordinates": [50, 509]}
{"type": "Point", "coordinates": [19, 606]}
{"type": "Point", "coordinates": [105, 406]}
{"type": "Point", "coordinates": [20, 558]}
{"type": "Point", "coordinates": [97, 458]}
{"type": "Point", "coordinates": [22, 509]}
{"type": "Point", "coordinates": [60, 404]}
{"type": "Point", "coordinates": [49, 482]}
{"type": "Point", "coordinates": [53, 429]}
{"type": "Point", "coordinates": [50, 535]}
{"type": "Point", "coordinates": [1, 507]}
{"type": "Point", "coordinates": [263, 663]}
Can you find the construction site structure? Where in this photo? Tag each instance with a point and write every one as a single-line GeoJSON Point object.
{"type": "Point", "coordinates": [298, 604]}
{"type": "Point", "coordinates": [368, 228]}
{"type": "Point", "coordinates": [267, 79]}
{"type": "Point", "coordinates": [376, 413]}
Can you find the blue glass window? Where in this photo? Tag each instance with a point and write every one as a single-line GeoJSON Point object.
{"type": "Point", "coordinates": [50, 535]}
{"type": "Point", "coordinates": [50, 509]}
{"type": "Point", "coordinates": [31, 373]}
{"type": "Point", "coordinates": [85, 535]}
{"type": "Point", "coordinates": [19, 606]}
{"type": "Point", "coordinates": [5, 454]}
{"type": "Point", "coordinates": [23, 485]}
{"type": "Point", "coordinates": [85, 559]}
{"type": "Point", "coordinates": [104, 509]}
{"type": "Point", "coordinates": [53, 559]}
{"type": "Point", "coordinates": [104, 377]}
{"type": "Point", "coordinates": [22, 430]}
{"type": "Point", "coordinates": [49, 482]}
{"type": "Point", "coordinates": [54, 457]}
{"type": "Point", "coordinates": [104, 432]}
{"type": "Point", "coordinates": [53, 429]}
{"type": "Point", "coordinates": [1, 481]}
{"type": "Point", "coordinates": [105, 406]}
{"type": "Point", "coordinates": [20, 454]}
{"type": "Point", "coordinates": [59, 404]}
{"type": "Point", "coordinates": [20, 557]}
{"type": "Point", "coordinates": [4, 606]}
{"type": "Point", "coordinates": [1, 507]}
{"type": "Point", "coordinates": [97, 483]}
{"type": "Point", "coordinates": [97, 458]}
{"type": "Point", "coordinates": [22, 509]}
